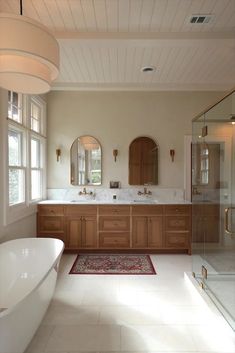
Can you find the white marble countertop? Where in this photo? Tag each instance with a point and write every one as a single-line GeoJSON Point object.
{"type": "Point", "coordinates": [114, 202]}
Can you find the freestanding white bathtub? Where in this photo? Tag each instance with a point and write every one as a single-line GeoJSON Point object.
{"type": "Point", "coordinates": [28, 272]}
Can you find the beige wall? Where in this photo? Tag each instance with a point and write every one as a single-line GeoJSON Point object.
{"type": "Point", "coordinates": [115, 119]}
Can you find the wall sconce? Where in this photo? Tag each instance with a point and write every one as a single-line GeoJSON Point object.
{"type": "Point", "coordinates": [172, 154]}
{"type": "Point", "coordinates": [58, 154]}
{"type": "Point", "coordinates": [115, 153]}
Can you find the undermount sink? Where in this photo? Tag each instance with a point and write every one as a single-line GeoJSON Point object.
{"type": "Point", "coordinates": [81, 201]}
{"type": "Point", "coordinates": [201, 200]}
{"type": "Point", "coordinates": [144, 201]}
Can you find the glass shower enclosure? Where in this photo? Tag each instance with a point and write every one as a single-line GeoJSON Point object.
{"type": "Point", "coordinates": [213, 204]}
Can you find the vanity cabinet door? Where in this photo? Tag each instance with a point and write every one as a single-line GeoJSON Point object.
{"type": "Point", "coordinates": [82, 232]}
{"type": "Point", "coordinates": [50, 222]}
{"type": "Point", "coordinates": [139, 232]}
{"type": "Point", "coordinates": [155, 232]}
{"type": "Point", "coordinates": [89, 232]}
{"type": "Point", "coordinates": [147, 232]}
{"type": "Point", "coordinates": [81, 226]}
{"type": "Point", "coordinates": [74, 230]}
{"type": "Point", "coordinates": [147, 226]}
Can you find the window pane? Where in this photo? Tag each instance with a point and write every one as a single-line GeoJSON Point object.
{"type": "Point", "coordinates": [205, 152]}
{"type": "Point", "coordinates": [204, 179]}
{"type": "Point", "coordinates": [34, 125]}
{"type": "Point", "coordinates": [35, 184]}
{"type": "Point", "coordinates": [95, 166]}
{"type": "Point", "coordinates": [35, 117]}
{"type": "Point", "coordinates": [35, 153]}
{"type": "Point", "coordinates": [16, 186]}
{"type": "Point", "coordinates": [15, 147]}
{"type": "Point", "coordinates": [15, 99]}
{"type": "Point", "coordinates": [14, 106]}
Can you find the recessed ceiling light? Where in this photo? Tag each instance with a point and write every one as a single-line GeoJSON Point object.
{"type": "Point", "coordinates": [148, 69]}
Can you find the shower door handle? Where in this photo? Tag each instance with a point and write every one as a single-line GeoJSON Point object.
{"type": "Point", "coordinates": [227, 230]}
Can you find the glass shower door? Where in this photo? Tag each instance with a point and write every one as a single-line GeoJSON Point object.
{"type": "Point", "coordinates": [213, 198]}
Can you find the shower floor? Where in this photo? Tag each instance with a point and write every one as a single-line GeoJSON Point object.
{"type": "Point", "coordinates": [220, 283]}
{"type": "Point", "coordinates": [222, 287]}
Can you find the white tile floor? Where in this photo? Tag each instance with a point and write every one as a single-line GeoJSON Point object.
{"type": "Point", "coordinates": [161, 313]}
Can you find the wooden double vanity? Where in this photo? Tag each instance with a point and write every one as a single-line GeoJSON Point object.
{"type": "Point", "coordinates": [119, 227]}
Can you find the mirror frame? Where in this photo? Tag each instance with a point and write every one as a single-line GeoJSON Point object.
{"type": "Point", "coordinates": [101, 163]}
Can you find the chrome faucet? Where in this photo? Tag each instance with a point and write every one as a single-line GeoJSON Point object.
{"type": "Point", "coordinates": [145, 192]}
{"type": "Point", "coordinates": [84, 192]}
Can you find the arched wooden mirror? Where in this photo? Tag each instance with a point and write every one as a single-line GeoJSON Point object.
{"type": "Point", "coordinates": [143, 161]}
{"type": "Point", "coordinates": [86, 156]}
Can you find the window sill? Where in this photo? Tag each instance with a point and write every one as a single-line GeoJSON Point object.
{"type": "Point", "coordinates": [18, 212]}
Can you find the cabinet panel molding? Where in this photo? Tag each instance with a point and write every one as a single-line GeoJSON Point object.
{"type": "Point", "coordinates": [107, 210]}
{"type": "Point", "coordinates": [176, 240]}
{"type": "Point", "coordinates": [155, 234]}
{"type": "Point", "coordinates": [114, 223]}
{"type": "Point", "coordinates": [147, 210]}
{"type": "Point", "coordinates": [51, 210]}
{"type": "Point", "coordinates": [139, 232]}
{"type": "Point", "coordinates": [114, 240]}
{"type": "Point", "coordinates": [80, 210]}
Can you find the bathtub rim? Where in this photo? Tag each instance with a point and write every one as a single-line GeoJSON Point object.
{"type": "Point", "coordinates": [9, 310]}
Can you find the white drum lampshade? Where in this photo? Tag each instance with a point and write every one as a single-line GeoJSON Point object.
{"type": "Point", "coordinates": [29, 55]}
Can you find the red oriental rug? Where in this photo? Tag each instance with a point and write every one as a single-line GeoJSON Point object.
{"type": "Point", "coordinates": [115, 264]}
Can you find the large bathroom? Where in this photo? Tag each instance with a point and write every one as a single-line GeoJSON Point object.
{"type": "Point", "coordinates": [117, 174]}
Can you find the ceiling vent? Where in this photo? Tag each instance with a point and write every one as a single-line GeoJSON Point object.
{"type": "Point", "coordinates": [200, 19]}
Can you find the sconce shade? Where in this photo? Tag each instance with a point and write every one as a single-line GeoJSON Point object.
{"type": "Point", "coordinates": [29, 55]}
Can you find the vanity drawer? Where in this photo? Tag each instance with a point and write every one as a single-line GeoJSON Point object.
{"type": "Point", "coordinates": [51, 210]}
{"type": "Point", "coordinates": [177, 209]}
{"type": "Point", "coordinates": [111, 210]}
{"type": "Point", "coordinates": [81, 210]}
{"type": "Point", "coordinates": [114, 240]}
{"type": "Point", "coordinates": [147, 210]}
{"type": "Point", "coordinates": [177, 240]}
{"type": "Point", "coordinates": [48, 224]}
{"type": "Point", "coordinates": [108, 223]}
{"type": "Point", "coordinates": [177, 223]}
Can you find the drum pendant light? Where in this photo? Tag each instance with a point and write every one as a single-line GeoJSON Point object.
{"type": "Point", "coordinates": [29, 55]}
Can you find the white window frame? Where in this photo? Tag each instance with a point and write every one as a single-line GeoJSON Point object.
{"type": "Point", "coordinates": [18, 211]}
{"type": "Point", "coordinates": [12, 126]}
{"type": "Point", "coordinates": [41, 168]}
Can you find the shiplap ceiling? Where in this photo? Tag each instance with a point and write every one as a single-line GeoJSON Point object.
{"type": "Point", "coordinates": [104, 43]}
